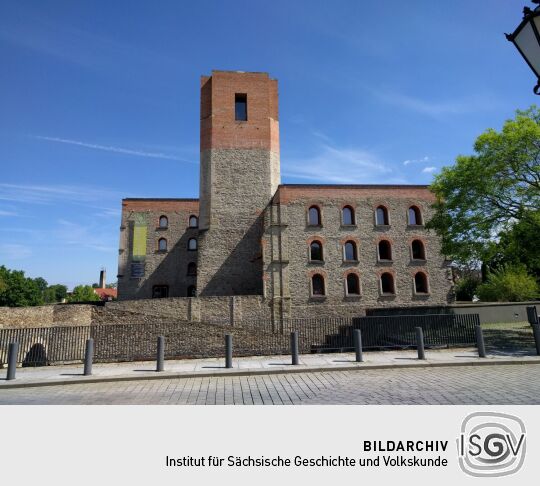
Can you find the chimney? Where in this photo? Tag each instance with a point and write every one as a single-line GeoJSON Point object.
{"type": "Point", "coordinates": [102, 276]}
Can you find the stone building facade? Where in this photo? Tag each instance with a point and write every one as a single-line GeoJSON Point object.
{"type": "Point", "coordinates": [307, 250]}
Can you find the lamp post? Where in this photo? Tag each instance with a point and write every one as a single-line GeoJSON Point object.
{"type": "Point", "coordinates": [526, 38]}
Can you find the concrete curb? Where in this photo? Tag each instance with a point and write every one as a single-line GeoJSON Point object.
{"type": "Point", "coordinates": [286, 369]}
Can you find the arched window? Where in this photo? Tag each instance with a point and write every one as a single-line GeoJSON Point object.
{"type": "Point", "coordinates": [420, 283]}
{"type": "Point", "coordinates": [385, 250]}
{"type": "Point", "coordinates": [317, 285]}
{"type": "Point", "coordinates": [347, 216]}
{"type": "Point", "coordinates": [353, 284]}
{"type": "Point", "coordinates": [193, 222]}
{"type": "Point", "coordinates": [192, 291]}
{"type": "Point", "coordinates": [415, 216]}
{"type": "Point", "coordinates": [162, 244]}
{"type": "Point", "coordinates": [418, 251]}
{"type": "Point", "coordinates": [350, 253]}
{"type": "Point", "coordinates": [316, 251]}
{"type": "Point", "coordinates": [314, 216]}
{"type": "Point", "coordinates": [160, 291]}
{"type": "Point", "coordinates": [192, 244]}
{"type": "Point", "coordinates": [192, 269]}
{"type": "Point", "coordinates": [387, 283]}
{"type": "Point", "coordinates": [381, 216]}
{"type": "Point", "coordinates": [163, 222]}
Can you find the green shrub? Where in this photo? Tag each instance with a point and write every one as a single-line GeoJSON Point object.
{"type": "Point", "coordinates": [466, 288]}
{"type": "Point", "coordinates": [509, 284]}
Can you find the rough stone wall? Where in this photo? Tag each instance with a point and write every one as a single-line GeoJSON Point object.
{"type": "Point", "coordinates": [168, 267]}
{"type": "Point", "coordinates": [288, 270]}
{"type": "Point", "coordinates": [46, 316]}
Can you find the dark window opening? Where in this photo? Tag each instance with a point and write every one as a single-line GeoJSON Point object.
{"type": "Point", "coordinates": [415, 216]}
{"type": "Point", "coordinates": [163, 222]}
{"type": "Point", "coordinates": [420, 283]}
{"type": "Point", "coordinates": [240, 107]}
{"type": "Point", "coordinates": [353, 284]}
{"type": "Point", "coordinates": [162, 244]}
{"type": "Point", "coordinates": [192, 269]}
{"type": "Point", "coordinates": [314, 216]}
{"type": "Point", "coordinates": [193, 222]}
{"type": "Point", "coordinates": [192, 244]}
{"type": "Point", "coordinates": [385, 250]}
{"type": "Point", "coordinates": [160, 291]}
{"type": "Point", "coordinates": [315, 252]}
{"type": "Point", "coordinates": [381, 216]}
{"type": "Point", "coordinates": [192, 291]}
{"type": "Point", "coordinates": [418, 252]}
{"type": "Point", "coordinates": [347, 216]}
{"type": "Point", "coordinates": [317, 284]}
{"type": "Point", "coordinates": [387, 283]}
{"type": "Point", "coordinates": [350, 251]}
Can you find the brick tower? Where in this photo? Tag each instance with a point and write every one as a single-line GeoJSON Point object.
{"type": "Point", "coordinates": [240, 173]}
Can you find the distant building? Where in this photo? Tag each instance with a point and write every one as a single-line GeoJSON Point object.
{"type": "Point", "coordinates": [104, 293]}
{"type": "Point", "coordinates": [307, 249]}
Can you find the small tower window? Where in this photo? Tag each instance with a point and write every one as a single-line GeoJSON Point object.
{"type": "Point", "coordinates": [387, 283]}
{"type": "Point", "coordinates": [314, 216]}
{"type": "Point", "coordinates": [353, 284]}
{"type": "Point", "coordinates": [163, 222]}
{"type": "Point", "coordinates": [240, 107]}
{"type": "Point", "coordinates": [317, 285]}
{"type": "Point", "coordinates": [192, 269]}
{"type": "Point", "coordinates": [192, 244]}
{"type": "Point", "coordinates": [385, 250]}
{"type": "Point", "coordinates": [162, 244]}
{"type": "Point", "coordinates": [350, 253]}
{"type": "Point", "coordinates": [315, 252]}
{"type": "Point", "coordinates": [420, 283]}
{"type": "Point", "coordinates": [347, 216]}
{"type": "Point", "coordinates": [415, 216]}
{"type": "Point", "coordinates": [381, 216]}
{"type": "Point", "coordinates": [193, 222]}
{"type": "Point", "coordinates": [418, 251]}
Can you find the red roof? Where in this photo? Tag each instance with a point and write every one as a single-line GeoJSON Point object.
{"type": "Point", "coordinates": [106, 294]}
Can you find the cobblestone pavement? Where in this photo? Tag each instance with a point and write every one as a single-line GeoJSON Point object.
{"type": "Point", "coordinates": [518, 384]}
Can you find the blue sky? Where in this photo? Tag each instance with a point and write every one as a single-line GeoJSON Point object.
{"type": "Point", "coordinates": [100, 100]}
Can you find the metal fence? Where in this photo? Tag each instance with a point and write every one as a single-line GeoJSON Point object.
{"type": "Point", "coordinates": [132, 342]}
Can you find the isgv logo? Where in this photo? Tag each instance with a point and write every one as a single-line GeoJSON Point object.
{"type": "Point", "coordinates": [491, 444]}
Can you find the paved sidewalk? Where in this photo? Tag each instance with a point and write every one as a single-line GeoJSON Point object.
{"type": "Point", "coordinates": [265, 365]}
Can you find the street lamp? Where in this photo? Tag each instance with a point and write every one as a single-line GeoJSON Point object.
{"type": "Point", "coordinates": [526, 38]}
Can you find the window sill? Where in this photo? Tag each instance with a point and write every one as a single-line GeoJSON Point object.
{"type": "Point", "coordinates": [382, 261]}
{"type": "Point", "coordinates": [162, 228]}
{"type": "Point", "coordinates": [382, 227]}
{"type": "Point", "coordinates": [314, 226]}
{"type": "Point", "coordinates": [316, 262]}
{"type": "Point", "coordinates": [387, 295]}
{"type": "Point", "coordinates": [421, 295]}
{"type": "Point", "coordinates": [351, 262]}
{"type": "Point", "coordinates": [419, 261]}
{"type": "Point", "coordinates": [349, 226]}
{"type": "Point", "coordinates": [317, 298]}
{"type": "Point", "coordinates": [161, 252]}
{"type": "Point", "coordinates": [353, 297]}
{"type": "Point", "coordinates": [415, 226]}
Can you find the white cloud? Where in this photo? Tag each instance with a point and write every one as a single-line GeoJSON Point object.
{"type": "Point", "coordinates": [91, 237]}
{"type": "Point", "coordinates": [428, 170]}
{"type": "Point", "coordinates": [118, 150]}
{"type": "Point", "coordinates": [7, 213]}
{"type": "Point", "coordinates": [414, 161]}
{"type": "Point", "coordinates": [338, 166]}
{"type": "Point", "coordinates": [12, 251]}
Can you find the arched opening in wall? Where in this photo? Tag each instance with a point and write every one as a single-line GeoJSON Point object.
{"type": "Point", "coordinates": [163, 222]}
{"type": "Point", "coordinates": [387, 283]}
{"type": "Point", "coordinates": [36, 356]}
{"type": "Point", "coordinates": [317, 285]}
{"type": "Point", "coordinates": [385, 250]}
{"type": "Point", "coordinates": [381, 216]}
{"type": "Point", "coordinates": [314, 216]}
{"type": "Point", "coordinates": [353, 284]}
{"type": "Point", "coordinates": [193, 222]}
{"type": "Point", "coordinates": [415, 216]}
{"type": "Point", "coordinates": [421, 283]}
{"type": "Point", "coordinates": [418, 250]}
{"type": "Point", "coordinates": [192, 244]}
{"type": "Point", "coordinates": [316, 251]}
{"type": "Point", "coordinates": [350, 252]}
{"type": "Point", "coordinates": [162, 244]}
{"type": "Point", "coordinates": [192, 269]}
{"type": "Point", "coordinates": [347, 216]}
{"type": "Point", "coordinates": [192, 291]}
{"type": "Point", "coordinates": [160, 291]}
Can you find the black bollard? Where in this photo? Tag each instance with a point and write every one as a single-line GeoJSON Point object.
{"type": "Point", "coordinates": [358, 345]}
{"type": "Point", "coordinates": [13, 350]}
{"type": "Point", "coordinates": [536, 332]}
{"type": "Point", "coordinates": [420, 343]}
{"type": "Point", "coordinates": [294, 347]}
{"type": "Point", "coordinates": [228, 351]}
{"type": "Point", "coordinates": [160, 353]}
{"type": "Point", "coordinates": [88, 357]}
{"type": "Point", "coordinates": [480, 342]}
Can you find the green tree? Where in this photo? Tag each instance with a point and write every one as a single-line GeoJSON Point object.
{"type": "Point", "coordinates": [509, 284]}
{"type": "Point", "coordinates": [483, 195]}
{"type": "Point", "coordinates": [83, 293]}
{"type": "Point", "coordinates": [18, 290]}
{"type": "Point", "coordinates": [466, 288]}
{"type": "Point", "coordinates": [55, 293]}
